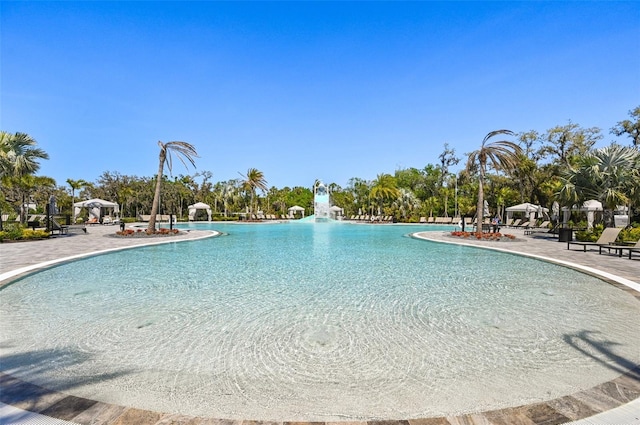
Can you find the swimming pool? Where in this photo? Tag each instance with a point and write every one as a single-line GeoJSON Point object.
{"type": "Point", "coordinates": [314, 322]}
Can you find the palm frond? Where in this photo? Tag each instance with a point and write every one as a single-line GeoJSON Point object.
{"type": "Point", "coordinates": [184, 151]}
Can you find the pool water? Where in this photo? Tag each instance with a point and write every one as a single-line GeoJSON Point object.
{"type": "Point", "coordinates": [325, 321]}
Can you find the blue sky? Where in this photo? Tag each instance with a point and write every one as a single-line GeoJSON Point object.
{"type": "Point", "coordinates": [306, 90]}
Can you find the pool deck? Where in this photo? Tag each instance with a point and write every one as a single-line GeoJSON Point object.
{"type": "Point", "coordinates": [613, 402]}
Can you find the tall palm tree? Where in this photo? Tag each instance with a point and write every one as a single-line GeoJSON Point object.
{"type": "Point", "coordinates": [183, 151]}
{"type": "Point", "coordinates": [501, 155]}
{"type": "Point", "coordinates": [254, 180]}
{"type": "Point", "coordinates": [75, 185]}
{"type": "Point", "coordinates": [431, 203]}
{"type": "Point", "coordinates": [384, 187]}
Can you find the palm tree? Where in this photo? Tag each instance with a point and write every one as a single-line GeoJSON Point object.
{"type": "Point", "coordinates": [183, 151]}
{"type": "Point", "coordinates": [500, 155]}
{"type": "Point", "coordinates": [25, 185]}
{"type": "Point", "coordinates": [75, 185]}
{"type": "Point", "coordinates": [254, 180]}
{"type": "Point", "coordinates": [406, 202]}
{"type": "Point", "coordinates": [18, 154]}
{"type": "Point", "coordinates": [610, 174]}
{"type": "Point", "coordinates": [18, 158]}
{"type": "Point", "coordinates": [384, 187]}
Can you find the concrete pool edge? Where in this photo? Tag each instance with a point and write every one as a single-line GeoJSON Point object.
{"type": "Point", "coordinates": [601, 398]}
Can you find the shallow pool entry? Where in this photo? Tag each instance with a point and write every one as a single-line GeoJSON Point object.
{"type": "Point", "coordinates": [316, 322]}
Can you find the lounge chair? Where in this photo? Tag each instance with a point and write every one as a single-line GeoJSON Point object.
{"type": "Point", "coordinates": [606, 239]}
{"type": "Point", "coordinates": [620, 248]}
{"type": "Point", "coordinates": [515, 223]}
{"type": "Point", "coordinates": [61, 229]}
{"type": "Point", "coordinates": [544, 226]}
{"type": "Point", "coordinates": [34, 224]}
{"type": "Point", "coordinates": [423, 219]}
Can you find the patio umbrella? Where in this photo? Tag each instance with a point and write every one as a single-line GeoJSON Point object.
{"type": "Point", "coordinates": [555, 210]}
{"type": "Point", "coordinates": [485, 212]}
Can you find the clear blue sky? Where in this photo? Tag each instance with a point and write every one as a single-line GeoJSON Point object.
{"type": "Point", "coordinates": [306, 90]}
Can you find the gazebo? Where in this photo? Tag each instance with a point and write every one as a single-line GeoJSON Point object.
{"type": "Point", "coordinates": [294, 209]}
{"type": "Point", "coordinates": [589, 207]}
{"type": "Point", "coordinates": [193, 209]}
{"type": "Point", "coordinates": [336, 212]}
{"type": "Point", "coordinates": [95, 207]}
{"type": "Point", "coordinates": [529, 210]}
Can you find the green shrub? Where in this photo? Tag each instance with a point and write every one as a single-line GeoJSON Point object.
{"type": "Point", "coordinates": [28, 234]}
{"type": "Point", "coordinates": [15, 232]}
{"type": "Point", "coordinates": [12, 232]}
{"type": "Point", "coordinates": [590, 235]}
{"type": "Point", "coordinates": [223, 218]}
{"type": "Point", "coordinates": [631, 234]}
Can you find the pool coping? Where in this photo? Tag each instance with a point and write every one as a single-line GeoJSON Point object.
{"type": "Point", "coordinates": [598, 399]}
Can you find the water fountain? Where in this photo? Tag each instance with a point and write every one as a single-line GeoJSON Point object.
{"type": "Point", "coordinates": [321, 202]}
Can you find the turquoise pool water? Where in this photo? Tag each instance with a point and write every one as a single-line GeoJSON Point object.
{"type": "Point", "coordinates": [315, 322]}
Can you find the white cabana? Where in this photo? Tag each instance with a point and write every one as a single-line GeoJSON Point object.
{"type": "Point", "coordinates": [294, 209]}
{"type": "Point", "coordinates": [336, 211]}
{"type": "Point", "coordinates": [193, 209]}
{"type": "Point", "coordinates": [590, 207]}
{"type": "Point", "coordinates": [529, 210]}
{"type": "Point", "coordinates": [95, 207]}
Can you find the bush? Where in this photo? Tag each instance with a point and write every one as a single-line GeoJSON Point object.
{"type": "Point", "coordinates": [630, 234]}
{"type": "Point", "coordinates": [15, 232]}
{"type": "Point", "coordinates": [28, 234]}
{"type": "Point", "coordinates": [223, 218]}
{"type": "Point", "coordinates": [590, 235]}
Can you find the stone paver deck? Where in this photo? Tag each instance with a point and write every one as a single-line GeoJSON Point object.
{"type": "Point", "coordinates": [19, 258]}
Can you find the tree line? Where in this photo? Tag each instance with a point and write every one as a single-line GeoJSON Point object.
{"type": "Point", "coordinates": [560, 164]}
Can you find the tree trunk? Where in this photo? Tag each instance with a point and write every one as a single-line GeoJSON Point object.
{"type": "Point", "coordinates": [23, 211]}
{"type": "Point", "coordinates": [446, 204]}
{"type": "Point", "coordinates": [156, 197]}
{"type": "Point", "coordinates": [480, 206]}
{"type": "Point", "coordinates": [251, 206]}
